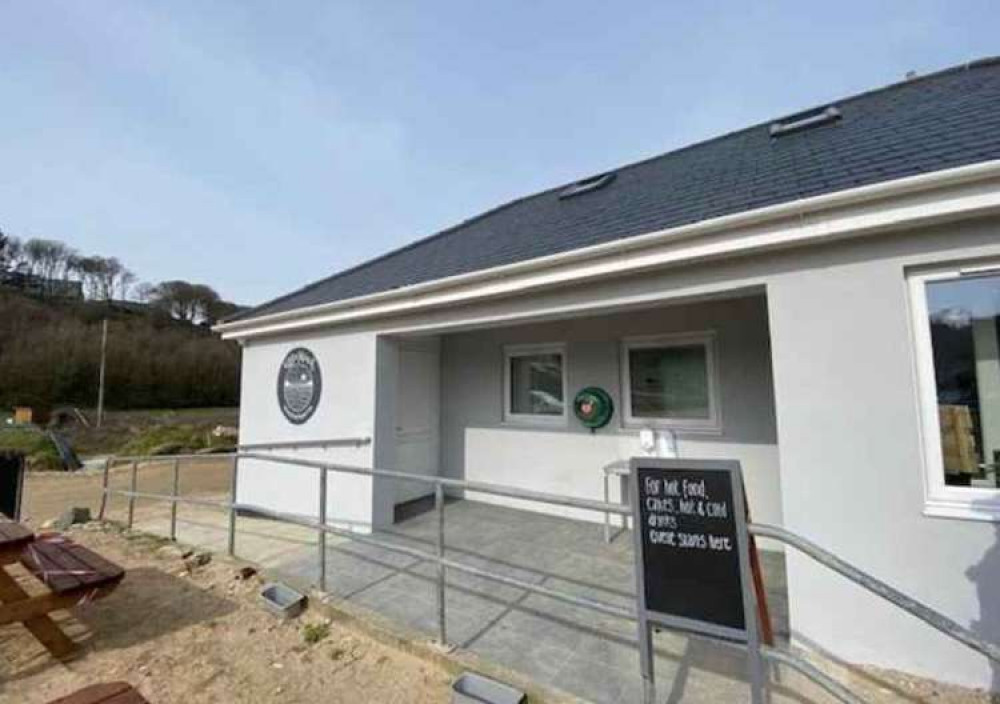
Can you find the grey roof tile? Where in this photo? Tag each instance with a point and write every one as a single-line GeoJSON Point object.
{"type": "Point", "coordinates": [943, 120]}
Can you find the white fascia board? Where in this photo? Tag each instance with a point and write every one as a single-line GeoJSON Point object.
{"type": "Point", "coordinates": [909, 202]}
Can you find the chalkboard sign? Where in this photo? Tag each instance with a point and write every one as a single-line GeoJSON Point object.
{"type": "Point", "coordinates": [691, 543]}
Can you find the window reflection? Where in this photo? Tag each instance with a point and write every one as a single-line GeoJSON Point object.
{"type": "Point", "coordinates": [964, 315]}
{"type": "Point", "coordinates": [669, 382]}
{"type": "Point", "coordinates": [536, 385]}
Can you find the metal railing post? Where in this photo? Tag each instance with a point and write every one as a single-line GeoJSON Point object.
{"type": "Point", "coordinates": [131, 499]}
{"type": "Point", "coordinates": [771, 655]}
{"type": "Point", "coordinates": [176, 491]}
{"type": "Point", "coordinates": [104, 489]}
{"type": "Point", "coordinates": [810, 671]}
{"type": "Point", "coordinates": [321, 537]}
{"type": "Point", "coordinates": [441, 569]}
{"type": "Point", "coordinates": [232, 505]}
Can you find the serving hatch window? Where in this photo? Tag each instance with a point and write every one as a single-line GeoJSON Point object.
{"type": "Point", "coordinates": [535, 383]}
{"type": "Point", "coordinates": [957, 321]}
{"type": "Point", "coordinates": [671, 381]}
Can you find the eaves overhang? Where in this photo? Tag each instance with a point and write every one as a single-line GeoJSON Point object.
{"type": "Point", "coordinates": [948, 194]}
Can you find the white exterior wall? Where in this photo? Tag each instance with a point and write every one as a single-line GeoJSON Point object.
{"type": "Point", "coordinates": [852, 461]}
{"type": "Point", "coordinates": [346, 409]}
{"type": "Point", "coordinates": [848, 439]}
{"type": "Point", "coordinates": [478, 445]}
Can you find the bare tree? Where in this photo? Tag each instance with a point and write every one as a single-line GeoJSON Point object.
{"type": "Point", "coordinates": [67, 256]}
{"type": "Point", "coordinates": [125, 282]}
{"type": "Point", "coordinates": [205, 298]}
{"type": "Point", "coordinates": [220, 309]}
{"type": "Point", "coordinates": [183, 300]}
{"type": "Point", "coordinates": [104, 278]}
{"type": "Point", "coordinates": [107, 273]}
{"type": "Point", "coordinates": [15, 254]}
{"type": "Point", "coordinates": [144, 292]}
{"type": "Point", "coordinates": [47, 259]}
{"type": "Point", "coordinates": [177, 298]}
{"type": "Point", "coordinates": [34, 254]}
{"type": "Point", "coordinates": [91, 272]}
{"type": "Point", "coordinates": [74, 267]}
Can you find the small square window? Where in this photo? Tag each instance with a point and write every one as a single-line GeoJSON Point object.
{"type": "Point", "coordinates": [535, 383]}
{"type": "Point", "coordinates": [671, 381]}
{"type": "Point", "coordinates": [956, 316]}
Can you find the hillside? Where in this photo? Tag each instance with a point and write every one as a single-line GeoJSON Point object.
{"type": "Point", "coordinates": [50, 355]}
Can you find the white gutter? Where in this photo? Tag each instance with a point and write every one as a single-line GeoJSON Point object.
{"type": "Point", "coordinates": [805, 221]}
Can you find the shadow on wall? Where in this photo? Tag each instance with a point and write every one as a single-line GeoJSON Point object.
{"type": "Point", "coordinates": [985, 574]}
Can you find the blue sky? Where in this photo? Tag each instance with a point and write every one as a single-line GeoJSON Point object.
{"type": "Point", "coordinates": [257, 146]}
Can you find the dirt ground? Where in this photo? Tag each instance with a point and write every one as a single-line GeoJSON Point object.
{"type": "Point", "coordinates": [48, 494]}
{"type": "Point", "coordinates": [185, 636]}
{"type": "Point", "coordinates": [201, 636]}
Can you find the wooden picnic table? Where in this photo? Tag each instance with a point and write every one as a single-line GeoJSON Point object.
{"type": "Point", "coordinates": [105, 693]}
{"type": "Point", "coordinates": [13, 538]}
{"type": "Point", "coordinates": [71, 572]}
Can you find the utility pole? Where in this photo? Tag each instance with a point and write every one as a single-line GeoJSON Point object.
{"type": "Point", "coordinates": [100, 388]}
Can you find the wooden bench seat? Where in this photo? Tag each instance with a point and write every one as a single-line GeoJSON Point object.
{"type": "Point", "coordinates": [13, 538]}
{"type": "Point", "coordinates": [72, 573]}
{"type": "Point", "coordinates": [105, 693]}
{"type": "Point", "coordinates": [66, 567]}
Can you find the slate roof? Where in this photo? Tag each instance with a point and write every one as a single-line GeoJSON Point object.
{"type": "Point", "coordinates": [942, 120]}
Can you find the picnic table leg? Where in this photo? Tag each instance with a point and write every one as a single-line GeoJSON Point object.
{"type": "Point", "coordinates": [42, 627]}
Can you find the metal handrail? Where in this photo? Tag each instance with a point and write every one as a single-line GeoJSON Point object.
{"type": "Point", "coordinates": [448, 482]}
{"type": "Point", "coordinates": [360, 441]}
{"type": "Point", "coordinates": [933, 618]}
{"type": "Point", "coordinates": [162, 459]}
{"type": "Point", "coordinates": [876, 586]}
{"type": "Point", "coordinates": [804, 667]}
{"type": "Point", "coordinates": [175, 499]}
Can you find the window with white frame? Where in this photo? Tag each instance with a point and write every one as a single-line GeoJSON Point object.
{"type": "Point", "coordinates": [956, 321]}
{"type": "Point", "coordinates": [671, 381]}
{"type": "Point", "coordinates": [535, 383]}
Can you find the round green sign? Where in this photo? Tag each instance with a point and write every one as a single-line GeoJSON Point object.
{"type": "Point", "coordinates": [593, 407]}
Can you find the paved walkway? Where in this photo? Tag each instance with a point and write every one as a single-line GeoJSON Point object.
{"type": "Point", "coordinates": [575, 649]}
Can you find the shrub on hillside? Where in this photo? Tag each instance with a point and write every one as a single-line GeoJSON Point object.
{"type": "Point", "coordinates": [174, 440]}
{"type": "Point", "coordinates": [50, 354]}
{"type": "Point", "coordinates": [39, 452]}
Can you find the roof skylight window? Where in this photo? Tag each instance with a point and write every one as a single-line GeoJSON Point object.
{"type": "Point", "coordinates": [805, 120]}
{"type": "Point", "coordinates": [587, 185]}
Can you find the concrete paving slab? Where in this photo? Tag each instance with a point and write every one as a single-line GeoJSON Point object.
{"type": "Point", "coordinates": [583, 652]}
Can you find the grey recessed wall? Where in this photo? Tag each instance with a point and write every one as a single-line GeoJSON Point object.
{"type": "Point", "coordinates": [478, 444]}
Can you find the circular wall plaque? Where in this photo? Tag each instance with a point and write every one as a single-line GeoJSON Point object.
{"type": "Point", "coordinates": [299, 385]}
